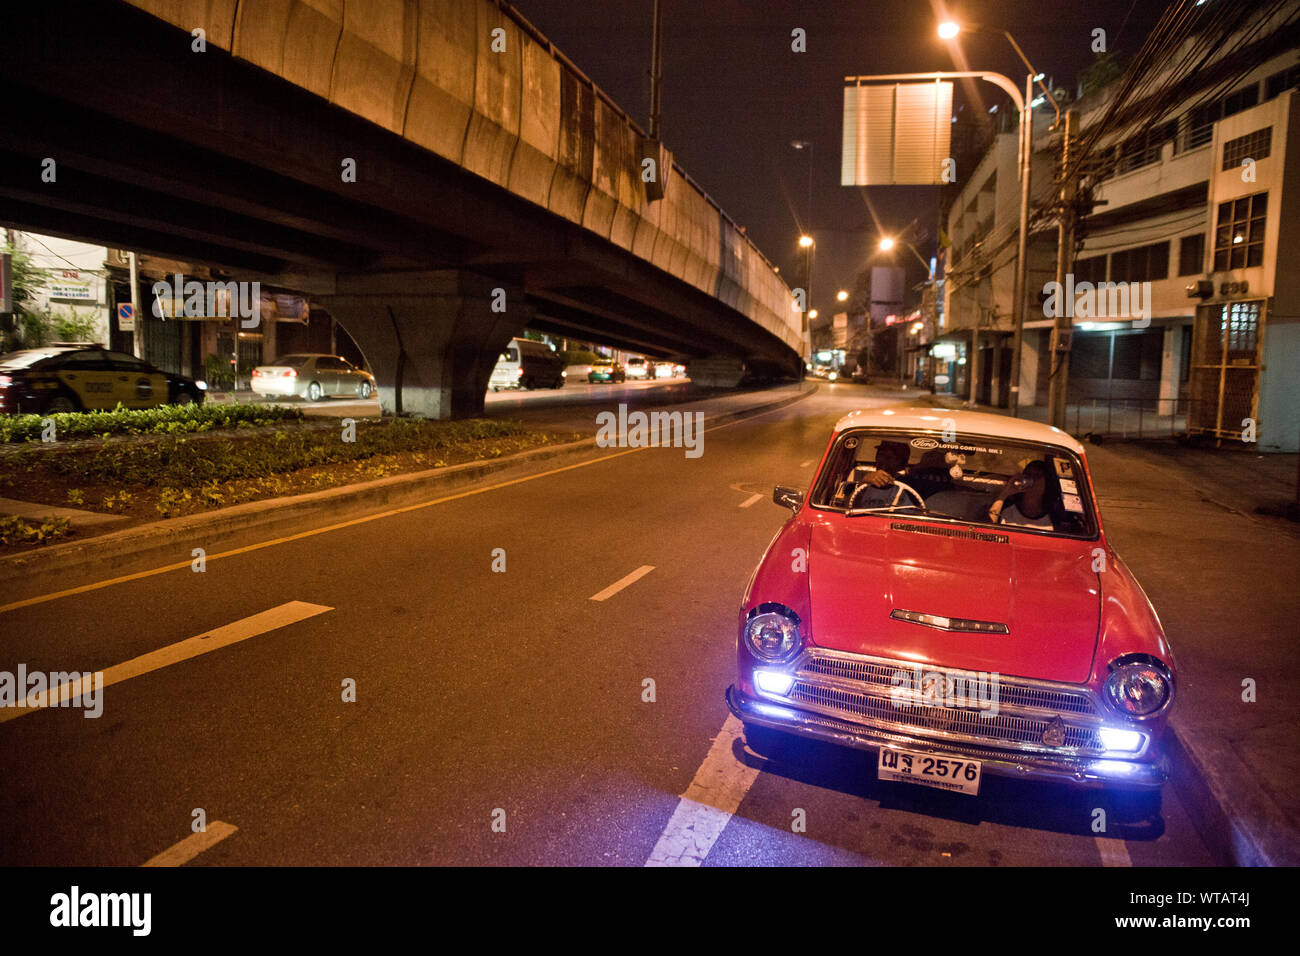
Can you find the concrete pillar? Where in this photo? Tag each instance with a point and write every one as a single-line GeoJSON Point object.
{"type": "Point", "coordinates": [1030, 347]}
{"type": "Point", "coordinates": [716, 372]}
{"type": "Point", "coordinates": [973, 366]}
{"type": "Point", "coordinates": [270, 347]}
{"type": "Point", "coordinates": [437, 328]}
{"type": "Point", "coordinates": [1171, 364]}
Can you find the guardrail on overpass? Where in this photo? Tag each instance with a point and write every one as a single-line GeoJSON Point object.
{"type": "Point", "coordinates": [475, 83]}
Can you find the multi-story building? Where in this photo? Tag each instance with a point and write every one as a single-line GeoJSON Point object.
{"type": "Point", "coordinates": [1194, 212]}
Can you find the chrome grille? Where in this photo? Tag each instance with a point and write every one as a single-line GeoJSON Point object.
{"type": "Point", "coordinates": [1010, 693]}
{"type": "Point", "coordinates": [860, 689]}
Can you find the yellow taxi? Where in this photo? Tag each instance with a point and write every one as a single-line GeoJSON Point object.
{"type": "Point", "coordinates": [74, 377]}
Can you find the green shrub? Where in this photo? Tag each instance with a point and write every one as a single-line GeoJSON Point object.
{"type": "Point", "coordinates": [14, 530]}
{"type": "Point", "coordinates": [165, 419]}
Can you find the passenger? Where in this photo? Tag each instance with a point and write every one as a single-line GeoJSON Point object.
{"type": "Point", "coordinates": [1025, 500]}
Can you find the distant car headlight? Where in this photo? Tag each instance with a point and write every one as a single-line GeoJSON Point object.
{"type": "Point", "coordinates": [1137, 689]}
{"type": "Point", "coordinates": [772, 635]}
{"type": "Point", "coordinates": [202, 385]}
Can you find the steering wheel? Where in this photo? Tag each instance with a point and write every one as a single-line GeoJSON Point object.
{"type": "Point", "coordinates": [902, 486]}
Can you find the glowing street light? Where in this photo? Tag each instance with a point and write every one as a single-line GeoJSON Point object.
{"type": "Point", "coordinates": [886, 244]}
{"type": "Point", "coordinates": [841, 296]}
{"type": "Point", "coordinates": [805, 241]}
{"type": "Point", "coordinates": [812, 314]}
{"type": "Point", "coordinates": [948, 30]}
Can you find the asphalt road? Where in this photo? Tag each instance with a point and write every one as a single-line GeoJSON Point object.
{"type": "Point", "coordinates": [499, 716]}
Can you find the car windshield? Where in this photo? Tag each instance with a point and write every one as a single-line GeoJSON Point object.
{"type": "Point", "coordinates": [978, 480]}
{"type": "Point", "coordinates": [28, 357]}
{"type": "Point", "coordinates": [295, 361]}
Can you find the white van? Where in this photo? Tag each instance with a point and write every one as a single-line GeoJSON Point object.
{"type": "Point", "coordinates": [527, 364]}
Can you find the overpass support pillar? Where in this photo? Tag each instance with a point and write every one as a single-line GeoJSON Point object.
{"type": "Point", "coordinates": [716, 372]}
{"type": "Point", "coordinates": [437, 334]}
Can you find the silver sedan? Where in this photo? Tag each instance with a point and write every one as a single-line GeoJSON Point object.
{"type": "Point", "coordinates": [312, 377]}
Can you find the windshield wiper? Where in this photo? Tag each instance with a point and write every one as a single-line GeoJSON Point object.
{"type": "Point", "coordinates": [853, 512]}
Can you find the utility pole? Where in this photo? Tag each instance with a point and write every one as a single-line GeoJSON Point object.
{"type": "Point", "coordinates": [1062, 327]}
{"type": "Point", "coordinates": [1022, 265]}
{"type": "Point", "coordinates": [656, 71]}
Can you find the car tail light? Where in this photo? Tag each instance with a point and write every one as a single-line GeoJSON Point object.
{"type": "Point", "coordinates": [520, 373]}
{"type": "Point", "coordinates": [6, 380]}
{"type": "Point", "coordinates": [257, 372]}
{"type": "Point", "coordinates": [291, 373]}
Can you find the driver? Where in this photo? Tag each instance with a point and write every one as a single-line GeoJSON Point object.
{"type": "Point", "coordinates": [877, 488]}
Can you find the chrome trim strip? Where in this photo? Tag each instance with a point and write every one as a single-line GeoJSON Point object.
{"type": "Point", "coordinates": [948, 623]}
{"type": "Point", "coordinates": [1077, 771]}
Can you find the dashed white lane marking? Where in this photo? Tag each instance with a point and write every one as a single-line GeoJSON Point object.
{"type": "Point", "coordinates": [213, 640]}
{"type": "Point", "coordinates": [708, 803]}
{"type": "Point", "coordinates": [805, 464]}
{"type": "Point", "coordinates": [1113, 852]}
{"type": "Point", "coordinates": [193, 845]}
{"type": "Point", "coordinates": [622, 582]}
{"type": "Point", "coordinates": [750, 500]}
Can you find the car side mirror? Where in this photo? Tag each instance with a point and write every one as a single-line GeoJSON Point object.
{"type": "Point", "coordinates": [791, 498]}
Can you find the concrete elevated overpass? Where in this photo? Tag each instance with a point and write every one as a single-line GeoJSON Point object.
{"type": "Point", "coordinates": [488, 169]}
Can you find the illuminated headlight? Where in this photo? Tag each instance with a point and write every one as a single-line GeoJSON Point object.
{"type": "Point", "coordinates": [1128, 741]}
{"type": "Point", "coordinates": [833, 376]}
{"type": "Point", "coordinates": [1137, 690]}
{"type": "Point", "coordinates": [773, 682]}
{"type": "Point", "coordinates": [202, 385]}
{"type": "Point", "coordinates": [773, 636]}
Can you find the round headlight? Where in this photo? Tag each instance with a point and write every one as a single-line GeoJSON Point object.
{"type": "Point", "coordinates": [1137, 690]}
{"type": "Point", "coordinates": [772, 636]}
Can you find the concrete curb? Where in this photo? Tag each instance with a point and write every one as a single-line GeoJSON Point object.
{"type": "Point", "coordinates": [108, 551]}
{"type": "Point", "coordinates": [1238, 822]}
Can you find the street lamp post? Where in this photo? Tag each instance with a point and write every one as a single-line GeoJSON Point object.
{"type": "Point", "coordinates": [948, 30]}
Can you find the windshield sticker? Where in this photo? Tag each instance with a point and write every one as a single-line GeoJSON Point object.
{"type": "Point", "coordinates": [1063, 468]}
{"type": "Point", "coordinates": [927, 443]}
{"type": "Point", "coordinates": [956, 461]}
{"type": "Point", "coordinates": [1068, 487]}
{"type": "Point", "coordinates": [1072, 503]}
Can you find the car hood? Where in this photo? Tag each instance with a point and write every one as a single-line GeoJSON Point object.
{"type": "Point", "coordinates": [1044, 590]}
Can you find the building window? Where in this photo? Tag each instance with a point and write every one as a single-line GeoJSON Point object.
{"type": "Point", "coordinates": [1191, 254]}
{"type": "Point", "coordinates": [1239, 237]}
{"type": "Point", "coordinates": [1092, 269]}
{"type": "Point", "coordinates": [1254, 145]}
{"type": "Point", "coordinates": [1144, 148]}
{"type": "Point", "coordinates": [1143, 264]}
{"type": "Point", "coordinates": [1239, 323]}
{"type": "Point", "coordinates": [1199, 123]}
{"type": "Point", "coordinates": [1279, 83]}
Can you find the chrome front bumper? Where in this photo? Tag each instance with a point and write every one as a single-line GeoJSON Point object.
{"type": "Point", "coordinates": [1076, 771]}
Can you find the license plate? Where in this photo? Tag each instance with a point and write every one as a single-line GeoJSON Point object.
{"type": "Point", "coordinates": [929, 770]}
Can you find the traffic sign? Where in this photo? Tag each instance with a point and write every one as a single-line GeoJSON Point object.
{"type": "Point", "coordinates": [126, 317]}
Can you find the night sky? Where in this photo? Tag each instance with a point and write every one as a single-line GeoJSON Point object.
{"type": "Point", "coordinates": [735, 96]}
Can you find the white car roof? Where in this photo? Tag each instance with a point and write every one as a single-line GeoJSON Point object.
{"type": "Point", "coordinates": [908, 418]}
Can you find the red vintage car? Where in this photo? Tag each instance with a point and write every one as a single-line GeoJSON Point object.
{"type": "Point", "coordinates": [944, 595]}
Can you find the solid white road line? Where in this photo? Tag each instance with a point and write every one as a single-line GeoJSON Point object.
{"type": "Point", "coordinates": [622, 582]}
{"type": "Point", "coordinates": [749, 501]}
{"type": "Point", "coordinates": [708, 803]}
{"type": "Point", "coordinates": [193, 845]}
{"type": "Point", "coordinates": [213, 640]}
{"type": "Point", "coordinates": [1113, 852]}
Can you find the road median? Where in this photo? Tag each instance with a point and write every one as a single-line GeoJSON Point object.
{"type": "Point", "coordinates": [236, 526]}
